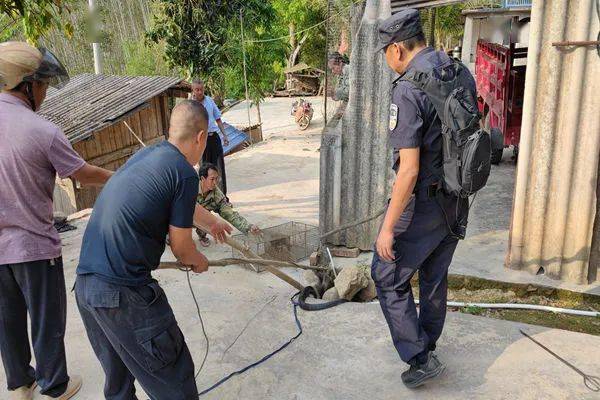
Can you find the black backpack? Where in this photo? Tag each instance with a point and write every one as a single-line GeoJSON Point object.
{"type": "Point", "coordinates": [466, 147]}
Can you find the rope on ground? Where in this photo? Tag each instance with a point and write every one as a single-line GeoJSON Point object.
{"type": "Point", "coordinates": [187, 274]}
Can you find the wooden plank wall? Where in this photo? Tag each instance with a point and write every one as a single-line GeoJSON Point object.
{"type": "Point", "coordinates": [111, 147]}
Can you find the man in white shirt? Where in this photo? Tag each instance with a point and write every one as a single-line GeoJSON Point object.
{"type": "Point", "coordinates": [214, 149]}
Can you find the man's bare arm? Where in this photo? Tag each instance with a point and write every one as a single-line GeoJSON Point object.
{"type": "Point", "coordinates": [222, 128]}
{"type": "Point", "coordinates": [406, 178]}
{"type": "Point", "coordinates": [92, 175]}
{"type": "Point", "coordinates": [212, 224]}
{"type": "Point", "coordinates": [184, 249]}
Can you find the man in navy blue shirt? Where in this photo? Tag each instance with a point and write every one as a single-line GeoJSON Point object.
{"type": "Point", "coordinates": [127, 317]}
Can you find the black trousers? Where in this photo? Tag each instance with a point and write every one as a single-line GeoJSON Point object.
{"type": "Point", "coordinates": [135, 336]}
{"type": "Point", "coordinates": [422, 243]}
{"type": "Point", "coordinates": [37, 287]}
{"type": "Point", "coordinates": [214, 155]}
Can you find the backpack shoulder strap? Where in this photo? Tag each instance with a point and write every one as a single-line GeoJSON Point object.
{"type": "Point", "coordinates": [418, 78]}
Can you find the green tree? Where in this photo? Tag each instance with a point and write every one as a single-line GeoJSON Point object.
{"type": "Point", "coordinates": [196, 33]}
{"type": "Point", "coordinates": [264, 61]}
{"type": "Point", "coordinates": [140, 59]}
{"type": "Point", "coordinates": [38, 17]}
{"type": "Point", "coordinates": [294, 17]}
{"type": "Point", "coordinates": [9, 28]}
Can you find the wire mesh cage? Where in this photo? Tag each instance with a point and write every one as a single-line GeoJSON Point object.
{"type": "Point", "coordinates": [292, 241]}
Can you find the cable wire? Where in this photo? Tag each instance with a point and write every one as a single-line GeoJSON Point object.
{"type": "Point", "coordinates": [288, 36]}
{"type": "Point", "coordinates": [265, 358]}
{"type": "Point", "coordinates": [305, 29]}
{"type": "Point", "coordinates": [598, 38]}
{"type": "Point", "coordinates": [187, 273]}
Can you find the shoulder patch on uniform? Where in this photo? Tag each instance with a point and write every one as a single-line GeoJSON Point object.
{"type": "Point", "coordinates": [393, 116]}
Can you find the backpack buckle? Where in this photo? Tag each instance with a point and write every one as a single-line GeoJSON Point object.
{"type": "Point", "coordinates": [432, 190]}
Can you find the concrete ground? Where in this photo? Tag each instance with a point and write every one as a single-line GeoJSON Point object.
{"type": "Point", "coordinates": [345, 352]}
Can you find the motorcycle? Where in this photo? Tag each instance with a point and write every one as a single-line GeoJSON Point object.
{"type": "Point", "coordinates": [302, 112]}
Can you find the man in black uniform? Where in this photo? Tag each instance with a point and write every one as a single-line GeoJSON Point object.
{"type": "Point", "coordinates": [416, 234]}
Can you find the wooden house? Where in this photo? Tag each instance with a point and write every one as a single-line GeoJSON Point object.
{"type": "Point", "coordinates": [94, 111]}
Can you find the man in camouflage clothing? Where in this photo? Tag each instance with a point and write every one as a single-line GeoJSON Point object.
{"type": "Point", "coordinates": [212, 199]}
{"type": "Point", "coordinates": [338, 64]}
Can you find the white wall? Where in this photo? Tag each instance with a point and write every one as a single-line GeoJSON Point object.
{"type": "Point", "coordinates": [493, 28]}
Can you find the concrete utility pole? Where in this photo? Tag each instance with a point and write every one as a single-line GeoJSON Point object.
{"type": "Point", "coordinates": [326, 63]}
{"type": "Point", "coordinates": [95, 45]}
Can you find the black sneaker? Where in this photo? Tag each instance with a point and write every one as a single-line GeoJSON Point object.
{"type": "Point", "coordinates": [418, 374]}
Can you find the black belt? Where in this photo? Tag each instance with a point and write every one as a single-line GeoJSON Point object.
{"type": "Point", "coordinates": [426, 192]}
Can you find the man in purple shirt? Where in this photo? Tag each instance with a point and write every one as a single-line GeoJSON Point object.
{"type": "Point", "coordinates": [32, 152]}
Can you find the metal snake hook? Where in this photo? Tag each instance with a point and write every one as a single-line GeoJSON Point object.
{"type": "Point", "coordinates": [590, 381]}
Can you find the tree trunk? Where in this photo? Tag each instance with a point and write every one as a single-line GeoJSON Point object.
{"type": "Point", "coordinates": [292, 60]}
{"type": "Point", "coordinates": [258, 112]}
{"type": "Point", "coordinates": [296, 52]}
{"type": "Point", "coordinates": [292, 28]}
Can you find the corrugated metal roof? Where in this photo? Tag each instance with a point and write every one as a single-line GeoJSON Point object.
{"type": "Point", "coordinates": [555, 193]}
{"type": "Point", "coordinates": [236, 137]}
{"type": "Point", "coordinates": [90, 102]}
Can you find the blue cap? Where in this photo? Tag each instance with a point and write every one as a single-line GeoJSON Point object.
{"type": "Point", "coordinates": [401, 26]}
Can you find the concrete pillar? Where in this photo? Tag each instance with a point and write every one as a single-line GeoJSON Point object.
{"type": "Point", "coordinates": [360, 139]}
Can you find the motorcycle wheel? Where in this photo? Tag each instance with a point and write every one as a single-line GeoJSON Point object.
{"type": "Point", "coordinates": [304, 122]}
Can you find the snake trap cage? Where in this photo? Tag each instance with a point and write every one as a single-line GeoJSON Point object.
{"type": "Point", "coordinates": [291, 241]}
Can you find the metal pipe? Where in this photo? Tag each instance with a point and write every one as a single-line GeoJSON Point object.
{"type": "Point", "coordinates": [225, 262]}
{"type": "Point", "coordinates": [514, 306]}
{"type": "Point", "coordinates": [331, 262]}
